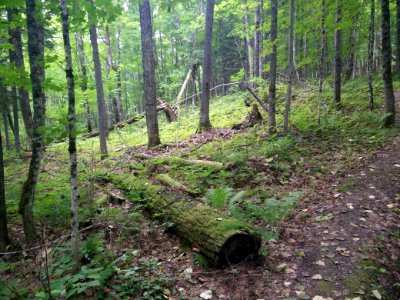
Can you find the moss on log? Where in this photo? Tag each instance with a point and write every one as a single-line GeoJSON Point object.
{"type": "Point", "coordinates": [168, 180]}
{"type": "Point", "coordinates": [223, 239]}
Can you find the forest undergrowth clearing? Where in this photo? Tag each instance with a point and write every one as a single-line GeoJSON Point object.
{"type": "Point", "coordinates": [287, 187]}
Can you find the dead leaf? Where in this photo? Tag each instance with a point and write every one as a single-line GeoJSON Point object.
{"type": "Point", "coordinates": [206, 295]}
{"type": "Point", "coordinates": [377, 294]}
{"type": "Point", "coordinates": [317, 277]}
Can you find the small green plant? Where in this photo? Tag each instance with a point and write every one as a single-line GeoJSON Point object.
{"type": "Point", "coordinates": [218, 197]}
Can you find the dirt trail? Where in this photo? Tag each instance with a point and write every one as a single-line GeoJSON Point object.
{"type": "Point", "coordinates": [345, 246]}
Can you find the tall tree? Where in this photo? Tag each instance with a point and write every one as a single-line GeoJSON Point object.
{"type": "Point", "coordinates": [4, 238]}
{"type": "Point", "coordinates": [205, 123]}
{"type": "Point", "coordinates": [37, 71]}
{"type": "Point", "coordinates": [290, 68]}
{"type": "Point", "coordinates": [398, 37]}
{"type": "Point", "coordinates": [338, 55]}
{"type": "Point", "coordinates": [353, 39]}
{"type": "Point", "coordinates": [371, 39]}
{"type": "Point", "coordinates": [101, 104]}
{"type": "Point", "coordinates": [272, 69]}
{"type": "Point", "coordinates": [322, 59]}
{"type": "Point", "coordinates": [249, 50]}
{"type": "Point", "coordinates": [16, 40]}
{"type": "Point", "coordinates": [257, 40]}
{"type": "Point", "coordinates": [84, 82]}
{"type": "Point", "coordinates": [69, 73]}
{"type": "Point", "coordinates": [149, 74]}
{"type": "Point", "coordinates": [387, 65]}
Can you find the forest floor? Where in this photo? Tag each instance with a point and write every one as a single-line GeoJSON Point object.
{"type": "Point", "coordinates": [326, 201]}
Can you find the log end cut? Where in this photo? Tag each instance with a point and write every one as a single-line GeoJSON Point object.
{"type": "Point", "coordinates": [238, 248]}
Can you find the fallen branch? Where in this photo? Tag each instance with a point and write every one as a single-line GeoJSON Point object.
{"type": "Point", "coordinates": [257, 98]}
{"type": "Point", "coordinates": [168, 180]}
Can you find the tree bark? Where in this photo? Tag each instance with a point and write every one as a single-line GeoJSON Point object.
{"type": "Point", "coordinates": [222, 239]}
{"type": "Point", "coordinates": [322, 60]}
{"type": "Point", "coordinates": [149, 76]}
{"type": "Point", "coordinates": [398, 37]}
{"type": "Point", "coordinates": [371, 55]}
{"type": "Point", "coordinates": [36, 63]}
{"type": "Point", "coordinates": [257, 40]}
{"type": "Point", "coordinates": [205, 123]}
{"type": "Point", "coordinates": [71, 134]}
{"type": "Point", "coordinates": [83, 68]}
{"type": "Point", "coordinates": [338, 56]}
{"type": "Point", "coordinates": [350, 65]}
{"type": "Point", "coordinates": [16, 40]}
{"type": "Point", "coordinates": [387, 65]}
{"type": "Point", "coordinates": [101, 104]}
{"type": "Point", "coordinates": [272, 69]}
{"type": "Point", "coordinates": [290, 69]}
{"type": "Point", "coordinates": [4, 98]}
{"type": "Point", "coordinates": [249, 50]}
{"type": "Point", "coordinates": [4, 237]}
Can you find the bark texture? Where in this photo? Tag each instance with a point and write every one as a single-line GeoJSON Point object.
{"type": "Point", "coordinates": [101, 104]}
{"type": "Point", "coordinates": [223, 239]}
{"type": "Point", "coordinates": [387, 65]}
{"type": "Point", "coordinates": [4, 238]}
{"type": "Point", "coordinates": [290, 68]}
{"type": "Point", "coordinates": [71, 134]}
{"type": "Point", "coordinates": [371, 39]}
{"type": "Point", "coordinates": [338, 57]}
{"type": "Point", "coordinates": [16, 40]}
{"type": "Point", "coordinates": [149, 74]}
{"type": "Point", "coordinates": [272, 69]}
{"type": "Point", "coordinates": [35, 49]}
{"type": "Point", "coordinates": [205, 123]}
{"type": "Point", "coordinates": [257, 41]}
{"type": "Point", "coordinates": [398, 37]}
{"type": "Point", "coordinates": [322, 60]}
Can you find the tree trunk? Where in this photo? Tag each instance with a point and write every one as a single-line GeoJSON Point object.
{"type": "Point", "coordinates": [16, 40]}
{"type": "Point", "coordinates": [387, 65]}
{"type": "Point", "coordinates": [37, 72]}
{"type": "Point", "coordinates": [338, 56]}
{"type": "Point", "coordinates": [101, 104]}
{"type": "Point", "coordinates": [257, 40]}
{"type": "Point", "coordinates": [71, 134]}
{"type": "Point", "coordinates": [350, 65]}
{"type": "Point", "coordinates": [119, 81]}
{"type": "Point", "coordinates": [222, 239]}
{"type": "Point", "coordinates": [272, 71]}
{"type": "Point", "coordinates": [83, 67]}
{"type": "Point", "coordinates": [4, 238]}
{"type": "Point", "coordinates": [322, 61]}
{"type": "Point", "coordinates": [371, 55]}
{"type": "Point", "coordinates": [290, 69]}
{"type": "Point", "coordinates": [398, 37]}
{"type": "Point", "coordinates": [205, 123]}
{"type": "Point", "coordinates": [249, 50]}
{"type": "Point", "coordinates": [149, 76]}
{"type": "Point", "coordinates": [4, 98]}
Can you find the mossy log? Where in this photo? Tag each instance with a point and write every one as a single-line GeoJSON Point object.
{"type": "Point", "coordinates": [223, 239]}
{"type": "Point", "coordinates": [168, 180]}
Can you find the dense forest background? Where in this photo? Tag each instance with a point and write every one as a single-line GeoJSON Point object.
{"type": "Point", "coordinates": [143, 140]}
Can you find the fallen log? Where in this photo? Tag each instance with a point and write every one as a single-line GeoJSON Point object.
{"type": "Point", "coordinates": [222, 239]}
{"type": "Point", "coordinates": [253, 117]}
{"type": "Point", "coordinates": [169, 181]}
{"type": "Point", "coordinates": [116, 125]}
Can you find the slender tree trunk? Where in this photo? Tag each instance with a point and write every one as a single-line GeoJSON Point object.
{"type": "Point", "coordinates": [36, 62]}
{"type": "Point", "coordinates": [4, 238]}
{"type": "Point", "coordinates": [71, 134]}
{"type": "Point", "coordinates": [398, 37]}
{"type": "Point", "coordinates": [247, 40]}
{"type": "Point", "coordinates": [16, 40]}
{"type": "Point", "coordinates": [149, 73]}
{"type": "Point", "coordinates": [83, 68]}
{"type": "Point", "coordinates": [350, 65]}
{"type": "Point", "coordinates": [119, 81]}
{"type": "Point", "coordinates": [101, 104]}
{"type": "Point", "coordinates": [371, 55]}
{"type": "Point", "coordinates": [322, 61]}
{"type": "Point", "coordinates": [338, 56]}
{"type": "Point", "coordinates": [205, 123]}
{"type": "Point", "coordinates": [272, 69]}
{"type": "Point", "coordinates": [4, 100]}
{"type": "Point", "coordinates": [290, 69]}
{"type": "Point", "coordinates": [387, 65]}
{"type": "Point", "coordinates": [257, 40]}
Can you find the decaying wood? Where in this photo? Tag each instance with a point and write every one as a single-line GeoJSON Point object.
{"type": "Point", "coordinates": [263, 105]}
{"type": "Point", "coordinates": [116, 125]}
{"type": "Point", "coordinates": [170, 112]}
{"type": "Point", "coordinates": [253, 117]}
{"type": "Point", "coordinates": [223, 239]}
{"type": "Point", "coordinates": [169, 181]}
